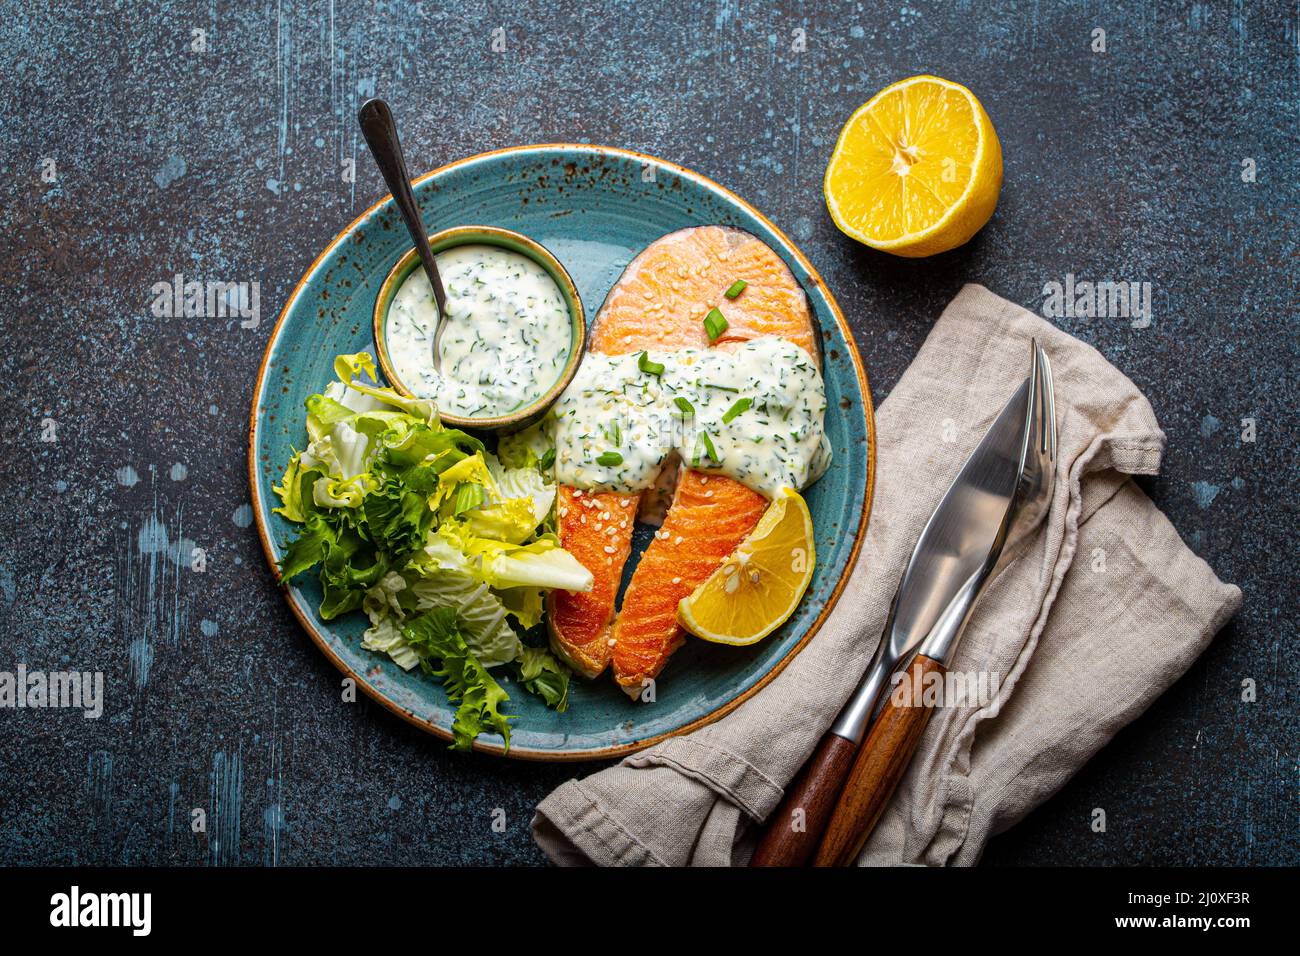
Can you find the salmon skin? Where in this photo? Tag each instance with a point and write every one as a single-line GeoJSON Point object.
{"type": "Point", "coordinates": [659, 303]}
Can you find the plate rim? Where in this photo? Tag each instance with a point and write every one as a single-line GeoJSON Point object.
{"type": "Point", "coordinates": [613, 750]}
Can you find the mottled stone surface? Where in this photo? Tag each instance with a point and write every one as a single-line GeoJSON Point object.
{"type": "Point", "coordinates": [229, 164]}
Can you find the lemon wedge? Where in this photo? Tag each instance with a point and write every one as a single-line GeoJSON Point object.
{"type": "Point", "coordinates": [916, 170]}
{"type": "Point", "coordinates": [761, 583]}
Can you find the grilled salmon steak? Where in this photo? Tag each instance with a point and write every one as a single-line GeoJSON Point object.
{"type": "Point", "coordinates": [659, 303]}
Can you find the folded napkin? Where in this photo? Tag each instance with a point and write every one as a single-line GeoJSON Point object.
{"type": "Point", "coordinates": [1094, 616]}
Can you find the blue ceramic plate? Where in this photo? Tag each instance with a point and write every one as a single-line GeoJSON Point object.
{"type": "Point", "coordinates": [594, 207]}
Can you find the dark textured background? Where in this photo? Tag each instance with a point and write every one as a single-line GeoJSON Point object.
{"type": "Point", "coordinates": [228, 165]}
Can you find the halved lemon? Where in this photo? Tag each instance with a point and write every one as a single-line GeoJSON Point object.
{"type": "Point", "coordinates": [760, 584]}
{"type": "Point", "coordinates": [916, 170]}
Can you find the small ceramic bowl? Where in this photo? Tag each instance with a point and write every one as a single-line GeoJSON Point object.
{"type": "Point", "coordinates": [515, 242]}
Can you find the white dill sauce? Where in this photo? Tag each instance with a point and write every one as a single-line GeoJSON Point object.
{"type": "Point", "coordinates": [755, 414]}
{"type": "Point", "coordinates": [507, 339]}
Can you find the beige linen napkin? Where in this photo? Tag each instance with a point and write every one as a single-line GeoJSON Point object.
{"type": "Point", "coordinates": [1097, 614]}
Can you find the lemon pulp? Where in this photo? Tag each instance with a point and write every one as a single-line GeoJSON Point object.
{"type": "Point", "coordinates": [917, 169]}
{"type": "Point", "coordinates": [761, 583]}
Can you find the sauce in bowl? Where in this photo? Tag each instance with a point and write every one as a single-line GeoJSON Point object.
{"type": "Point", "coordinates": [508, 335]}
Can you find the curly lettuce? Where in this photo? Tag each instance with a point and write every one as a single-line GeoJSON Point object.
{"type": "Point", "coordinates": [439, 642]}
{"type": "Point", "coordinates": [445, 547]}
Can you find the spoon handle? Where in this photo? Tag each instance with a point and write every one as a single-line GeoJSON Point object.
{"type": "Point", "coordinates": [380, 131]}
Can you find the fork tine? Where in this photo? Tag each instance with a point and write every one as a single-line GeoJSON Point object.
{"type": "Point", "coordinates": [1048, 402]}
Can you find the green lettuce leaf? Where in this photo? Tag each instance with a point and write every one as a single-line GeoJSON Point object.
{"type": "Point", "coordinates": [543, 675]}
{"type": "Point", "coordinates": [440, 643]}
{"type": "Point", "coordinates": [295, 490]}
{"type": "Point", "coordinates": [511, 521]}
{"type": "Point", "coordinates": [524, 605]}
{"type": "Point", "coordinates": [323, 413]}
{"type": "Point", "coordinates": [309, 548]}
{"type": "Point", "coordinates": [515, 483]}
{"type": "Point", "coordinates": [446, 547]}
{"type": "Point", "coordinates": [349, 569]}
{"type": "Point", "coordinates": [530, 447]}
{"type": "Point", "coordinates": [349, 367]}
{"type": "Point", "coordinates": [397, 520]}
{"type": "Point", "coordinates": [539, 564]}
{"type": "Point", "coordinates": [481, 614]}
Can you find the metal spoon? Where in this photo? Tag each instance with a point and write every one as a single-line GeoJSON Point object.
{"type": "Point", "coordinates": [380, 131]}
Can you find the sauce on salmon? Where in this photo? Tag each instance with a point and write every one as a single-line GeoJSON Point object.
{"type": "Point", "coordinates": [754, 413]}
{"type": "Point", "coordinates": [736, 398]}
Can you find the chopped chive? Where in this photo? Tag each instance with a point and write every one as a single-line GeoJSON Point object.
{"type": "Point", "coordinates": [708, 444]}
{"type": "Point", "coordinates": [608, 458]}
{"type": "Point", "coordinates": [736, 409]}
{"type": "Point", "coordinates": [649, 367]}
{"type": "Point", "coordinates": [715, 324]}
{"type": "Point", "coordinates": [737, 287]}
{"type": "Point", "coordinates": [721, 388]}
{"type": "Point", "coordinates": [547, 460]}
{"type": "Point", "coordinates": [686, 407]}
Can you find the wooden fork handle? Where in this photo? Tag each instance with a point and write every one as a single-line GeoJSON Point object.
{"type": "Point", "coordinates": [879, 766]}
{"type": "Point", "coordinates": [795, 827]}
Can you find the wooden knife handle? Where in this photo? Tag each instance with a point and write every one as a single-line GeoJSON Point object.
{"type": "Point", "coordinates": [795, 827]}
{"type": "Point", "coordinates": [879, 767]}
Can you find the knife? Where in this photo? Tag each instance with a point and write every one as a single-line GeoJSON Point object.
{"type": "Point", "coordinates": [1004, 485]}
